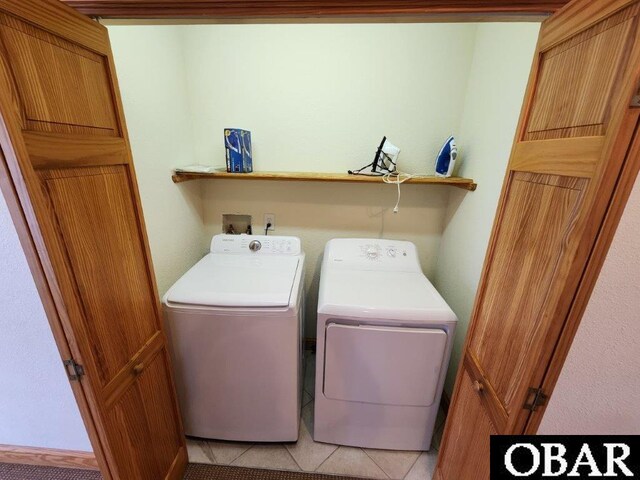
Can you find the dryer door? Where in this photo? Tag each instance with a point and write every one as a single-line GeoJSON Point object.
{"type": "Point", "coordinates": [383, 365]}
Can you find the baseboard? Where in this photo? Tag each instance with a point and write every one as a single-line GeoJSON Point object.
{"type": "Point", "coordinates": [49, 457]}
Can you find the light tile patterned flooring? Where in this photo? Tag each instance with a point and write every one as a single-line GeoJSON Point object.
{"type": "Point", "coordinates": [309, 456]}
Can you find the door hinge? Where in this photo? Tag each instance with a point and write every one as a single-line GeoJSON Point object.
{"type": "Point", "coordinates": [535, 398]}
{"type": "Point", "coordinates": [74, 370]}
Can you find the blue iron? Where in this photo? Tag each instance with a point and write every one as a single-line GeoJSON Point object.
{"type": "Point", "coordinates": [446, 159]}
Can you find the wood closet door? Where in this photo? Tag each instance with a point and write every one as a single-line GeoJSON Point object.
{"type": "Point", "coordinates": [575, 128]}
{"type": "Point", "coordinates": [64, 139]}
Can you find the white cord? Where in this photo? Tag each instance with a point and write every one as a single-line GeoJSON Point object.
{"type": "Point", "coordinates": [398, 178]}
{"type": "Point", "coordinates": [395, 209]}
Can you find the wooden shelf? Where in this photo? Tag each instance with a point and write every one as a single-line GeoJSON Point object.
{"type": "Point", "coordinates": [464, 183]}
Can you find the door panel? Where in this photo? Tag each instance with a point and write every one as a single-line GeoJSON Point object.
{"type": "Point", "coordinates": [147, 443]}
{"type": "Point", "coordinates": [43, 65]}
{"type": "Point", "coordinates": [579, 78]}
{"type": "Point", "coordinates": [84, 201]}
{"type": "Point", "coordinates": [69, 160]}
{"type": "Point", "coordinates": [471, 427]}
{"type": "Point", "coordinates": [571, 143]}
{"type": "Point", "coordinates": [537, 224]}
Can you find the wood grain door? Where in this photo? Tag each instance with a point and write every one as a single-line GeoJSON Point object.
{"type": "Point", "coordinates": [571, 144]}
{"type": "Point", "coordinates": [68, 164]}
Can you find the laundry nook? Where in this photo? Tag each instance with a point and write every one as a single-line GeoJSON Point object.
{"type": "Point", "coordinates": [309, 239]}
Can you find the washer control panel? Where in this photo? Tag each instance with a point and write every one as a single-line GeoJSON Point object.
{"type": "Point", "coordinates": [256, 245]}
{"type": "Point", "coordinates": [373, 254]}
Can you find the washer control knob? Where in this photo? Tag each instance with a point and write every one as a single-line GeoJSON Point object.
{"type": "Point", "coordinates": [255, 245]}
{"type": "Point", "coordinates": [391, 251]}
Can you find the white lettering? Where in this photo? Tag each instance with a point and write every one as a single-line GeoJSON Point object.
{"type": "Point", "coordinates": [612, 460]}
{"type": "Point", "coordinates": [585, 457]}
{"type": "Point", "coordinates": [509, 463]}
{"type": "Point", "coordinates": [550, 457]}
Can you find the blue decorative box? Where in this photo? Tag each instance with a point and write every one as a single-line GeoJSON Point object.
{"type": "Point", "coordinates": [237, 143]}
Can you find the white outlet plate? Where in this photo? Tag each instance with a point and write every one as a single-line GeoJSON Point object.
{"type": "Point", "coordinates": [270, 218]}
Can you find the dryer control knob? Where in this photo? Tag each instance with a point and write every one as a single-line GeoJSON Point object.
{"type": "Point", "coordinates": [372, 252]}
{"type": "Point", "coordinates": [255, 245]}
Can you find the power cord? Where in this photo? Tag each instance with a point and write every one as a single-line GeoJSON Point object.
{"type": "Point", "coordinates": [398, 178]}
{"type": "Point", "coordinates": [266, 229]}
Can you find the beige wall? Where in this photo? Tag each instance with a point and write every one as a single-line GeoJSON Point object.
{"type": "Point", "coordinates": [151, 73]}
{"type": "Point", "coordinates": [317, 213]}
{"type": "Point", "coordinates": [319, 98]}
{"type": "Point", "coordinates": [598, 390]}
{"type": "Point", "coordinates": [496, 84]}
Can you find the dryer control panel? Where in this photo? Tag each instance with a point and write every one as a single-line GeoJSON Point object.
{"type": "Point", "coordinates": [372, 254]}
{"type": "Point", "coordinates": [256, 245]}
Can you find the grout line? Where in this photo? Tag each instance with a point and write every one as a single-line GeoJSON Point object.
{"type": "Point", "coordinates": [375, 463]}
{"type": "Point", "coordinates": [208, 452]}
{"type": "Point", "coordinates": [293, 458]}
{"type": "Point", "coordinates": [413, 464]}
{"type": "Point", "coordinates": [286, 447]}
{"type": "Point", "coordinates": [232, 461]}
{"type": "Point", "coordinates": [308, 402]}
{"type": "Point", "coordinates": [331, 455]}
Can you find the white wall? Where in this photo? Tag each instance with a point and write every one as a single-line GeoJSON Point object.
{"type": "Point", "coordinates": [497, 81]}
{"type": "Point", "coordinates": [320, 98]}
{"type": "Point", "coordinates": [37, 408]}
{"type": "Point", "coordinates": [151, 73]}
{"type": "Point", "coordinates": [598, 390]}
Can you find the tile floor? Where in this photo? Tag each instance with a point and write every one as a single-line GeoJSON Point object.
{"type": "Point", "coordinates": [309, 456]}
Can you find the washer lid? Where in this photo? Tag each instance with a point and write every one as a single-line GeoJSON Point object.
{"type": "Point", "coordinates": [237, 281]}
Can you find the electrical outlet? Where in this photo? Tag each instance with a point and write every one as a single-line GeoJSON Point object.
{"type": "Point", "coordinates": [270, 218]}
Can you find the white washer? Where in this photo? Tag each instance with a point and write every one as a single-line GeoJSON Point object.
{"type": "Point", "coordinates": [235, 322]}
{"type": "Point", "coordinates": [384, 339]}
